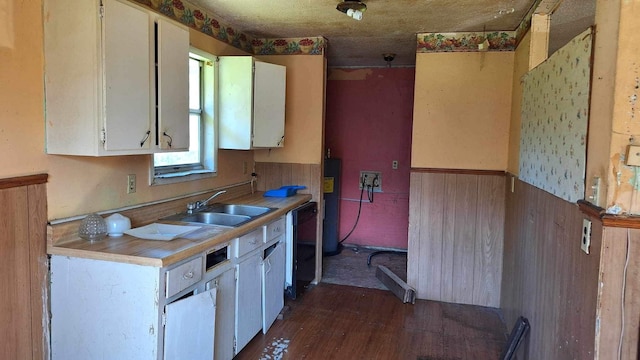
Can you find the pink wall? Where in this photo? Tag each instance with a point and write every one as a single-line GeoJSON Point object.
{"type": "Point", "coordinates": [369, 116]}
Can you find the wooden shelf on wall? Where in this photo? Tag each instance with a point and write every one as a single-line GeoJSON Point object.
{"type": "Point", "coordinates": [609, 220]}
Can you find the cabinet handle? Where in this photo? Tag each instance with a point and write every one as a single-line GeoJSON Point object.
{"type": "Point", "coordinates": [146, 136]}
{"type": "Point", "coordinates": [253, 241]}
{"type": "Point", "coordinates": [164, 133]}
{"type": "Point", "coordinates": [281, 140]}
{"type": "Point", "coordinates": [188, 275]}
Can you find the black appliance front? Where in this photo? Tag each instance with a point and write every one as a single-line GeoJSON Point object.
{"type": "Point", "coordinates": [304, 219]}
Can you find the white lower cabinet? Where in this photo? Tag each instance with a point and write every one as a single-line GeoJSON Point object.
{"type": "Point", "coordinates": [248, 299]}
{"type": "Point", "coordinates": [105, 310]}
{"type": "Point", "coordinates": [190, 327]}
{"type": "Point", "coordinates": [112, 310]}
{"type": "Point", "coordinates": [225, 284]}
{"type": "Point", "coordinates": [273, 269]}
{"type": "Point", "coordinates": [208, 306]}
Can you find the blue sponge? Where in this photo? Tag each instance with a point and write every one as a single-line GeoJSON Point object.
{"type": "Point", "coordinates": [284, 191]}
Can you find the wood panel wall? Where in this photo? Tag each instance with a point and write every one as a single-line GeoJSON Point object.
{"type": "Point", "coordinates": [619, 293]}
{"type": "Point", "coordinates": [275, 175]}
{"type": "Point", "coordinates": [23, 269]}
{"type": "Point", "coordinates": [456, 221]}
{"type": "Point", "coordinates": [546, 276]}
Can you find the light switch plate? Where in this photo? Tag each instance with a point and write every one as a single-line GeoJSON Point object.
{"type": "Point", "coordinates": [585, 242]}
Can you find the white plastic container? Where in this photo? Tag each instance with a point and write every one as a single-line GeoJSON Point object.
{"type": "Point", "coordinates": [117, 225]}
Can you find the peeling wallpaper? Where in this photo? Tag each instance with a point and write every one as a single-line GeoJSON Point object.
{"type": "Point", "coordinates": [437, 42]}
{"type": "Point", "coordinates": [555, 112]}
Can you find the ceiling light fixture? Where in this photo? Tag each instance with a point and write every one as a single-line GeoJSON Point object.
{"type": "Point", "coordinates": [353, 8]}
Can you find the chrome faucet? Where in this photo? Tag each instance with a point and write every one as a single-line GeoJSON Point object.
{"type": "Point", "coordinates": [194, 206]}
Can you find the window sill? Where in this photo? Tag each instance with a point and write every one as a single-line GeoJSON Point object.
{"type": "Point", "coordinates": [178, 177]}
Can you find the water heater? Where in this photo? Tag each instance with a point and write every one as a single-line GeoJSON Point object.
{"type": "Point", "coordinates": [330, 227]}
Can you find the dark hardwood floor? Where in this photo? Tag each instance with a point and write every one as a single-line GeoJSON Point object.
{"type": "Point", "coordinates": [344, 322]}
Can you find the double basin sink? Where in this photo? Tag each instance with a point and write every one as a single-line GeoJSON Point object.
{"type": "Point", "coordinates": [232, 215]}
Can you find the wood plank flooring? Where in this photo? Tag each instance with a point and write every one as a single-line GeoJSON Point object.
{"type": "Point", "coordinates": [343, 322]}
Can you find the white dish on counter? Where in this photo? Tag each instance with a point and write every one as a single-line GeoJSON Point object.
{"type": "Point", "coordinates": [158, 231]}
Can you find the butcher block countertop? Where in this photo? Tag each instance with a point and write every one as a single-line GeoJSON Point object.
{"type": "Point", "coordinates": [129, 249]}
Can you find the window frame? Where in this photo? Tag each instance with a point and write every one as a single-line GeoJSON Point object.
{"type": "Point", "coordinates": [207, 167]}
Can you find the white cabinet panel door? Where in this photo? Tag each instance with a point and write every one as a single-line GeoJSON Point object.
{"type": "Point", "coordinates": [248, 300]}
{"type": "Point", "coordinates": [273, 286]}
{"type": "Point", "coordinates": [173, 86]}
{"type": "Point", "coordinates": [190, 327]}
{"type": "Point", "coordinates": [127, 59]}
{"type": "Point", "coordinates": [225, 314]}
{"type": "Point", "coordinates": [268, 105]}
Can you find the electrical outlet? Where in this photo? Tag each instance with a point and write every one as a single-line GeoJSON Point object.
{"type": "Point", "coordinates": [131, 183]}
{"type": "Point", "coordinates": [371, 180]}
{"type": "Point", "coordinates": [586, 235]}
{"type": "Point", "coordinates": [394, 164]}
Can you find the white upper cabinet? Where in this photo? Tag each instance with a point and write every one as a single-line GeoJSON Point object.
{"type": "Point", "coordinates": [173, 85]}
{"type": "Point", "coordinates": [252, 103]}
{"type": "Point", "coordinates": [101, 85]}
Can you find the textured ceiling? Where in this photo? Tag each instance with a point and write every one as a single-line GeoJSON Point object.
{"type": "Point", "coordinates": [388, 26]}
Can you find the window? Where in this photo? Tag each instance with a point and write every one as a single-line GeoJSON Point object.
{"type": "Point", "coordinates": [199, 161]}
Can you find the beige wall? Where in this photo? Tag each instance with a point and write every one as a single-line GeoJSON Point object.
{"type": "Point", "coordinates": [304, 116]}
{"type": "Point", "coordinates": [623, 181]}
{"type": "Point", "coordinates": [462, 110]}
{"type": "Point", "coordinates": [520, 68]}
{"type": "Point", "coordinates": [21, 90]}
{"type": "Point", "coordinates": [600, 113]}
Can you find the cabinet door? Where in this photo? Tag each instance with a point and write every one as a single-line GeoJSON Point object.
{"type": "Point", "coordinates": [248, 300]}
{"type": "Point", "coordinates": [273, 269]}
{"type": "Point", "coordinates": [173, 85]}
{"type": "Point", "coordinates": [127, 92]}
{"type": "Point", "coordinates": [225, 313]}
{"type": "Point", "coordinates": [190, 327]}
{"type": "Point", "coordinates": [235, 95]}
{"type": "Point", "coordinates": [268, 105]}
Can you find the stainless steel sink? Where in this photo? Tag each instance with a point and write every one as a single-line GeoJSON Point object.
{"type": "Point", "coordinates": [222, 214]}
{"type": "Point", "coordinates": [236, 209]}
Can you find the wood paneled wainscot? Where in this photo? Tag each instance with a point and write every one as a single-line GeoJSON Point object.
{"type": "Point", "coordinates": [456, 222]}
{"type": "Point", "coordinates": [275, 175]}
{"type": "Point", "coordinates": [547, 278]}
{"type": "Point", "coordinates": [23, 269]}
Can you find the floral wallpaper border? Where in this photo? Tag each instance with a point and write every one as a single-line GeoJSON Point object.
{"type": "Point", "coordinates": [206, 23]}
{"type": "Point", "coordinates": [469, 41]}
{"type": "Point", "coordinates": [290, 46]}
{"type": "Point", "coordinates": [465, 41]}
{"type": "Point", "coordinates": [555, 116]}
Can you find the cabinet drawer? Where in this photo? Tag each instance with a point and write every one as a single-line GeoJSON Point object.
{"type": "Point", "coordinates": [183, 276]}
{"type": "Point", "coordinates": [248, 242]}
{"type": "Point", "coordinates": [275, 229]}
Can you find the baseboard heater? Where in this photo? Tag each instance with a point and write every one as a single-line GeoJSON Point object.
{"type": "Point", "coordinates": [397, 286]}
